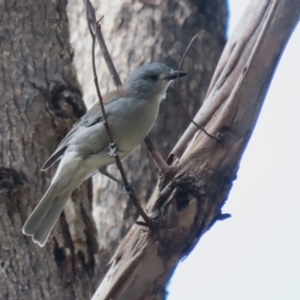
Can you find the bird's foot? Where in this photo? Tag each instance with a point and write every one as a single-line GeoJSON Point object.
{"type": "Point", "coordinates": [113, 149]}
{"type": "Point", "coordinates": [127, 190]}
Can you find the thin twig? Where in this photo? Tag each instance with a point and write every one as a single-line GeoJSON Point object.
{"type": "Point", "coordinates": [110, 65]}
{"type": "Point", "coordinates": [96, 30]}
{"type": "Point", "coordinates": [178, 94]}
{"type": "Point", "coordinates": [90, 12]}
{"type": "Point", "coordinates": [111, 140]}
{"type": "Point", "coordinates": [156, 156]}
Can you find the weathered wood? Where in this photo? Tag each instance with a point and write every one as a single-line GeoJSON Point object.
{"type": "Point", "coordinates": [188, 198]}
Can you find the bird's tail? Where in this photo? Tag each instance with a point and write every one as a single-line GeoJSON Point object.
{"type": "Point", "coordinates": [41, 221]}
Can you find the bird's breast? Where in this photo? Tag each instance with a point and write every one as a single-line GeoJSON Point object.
{"type": "Point", "coordinates": [133, 123]}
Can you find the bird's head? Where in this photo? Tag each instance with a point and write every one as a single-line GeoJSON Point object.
{"type": "Point", "coordinates": [151, 80]}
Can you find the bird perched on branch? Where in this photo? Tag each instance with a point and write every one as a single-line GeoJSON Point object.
{"type": "Point", "coordinates": [131, 111]}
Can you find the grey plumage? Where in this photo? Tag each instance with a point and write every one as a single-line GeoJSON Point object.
{"type": "Point", "coordinates": [131, 112]}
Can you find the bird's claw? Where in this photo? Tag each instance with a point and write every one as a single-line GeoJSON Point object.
{"type": "Point", "coordinates": [113, 149]}
{"type": "Point", "coordinates": [127, 190]}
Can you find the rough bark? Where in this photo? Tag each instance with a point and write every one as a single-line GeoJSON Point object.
{"type": "Point", "coordinates": [188, 198]}
{"type": "Point", "coordinates": [139, 32]}
{"type": "Point", "coordinates": [40, 99]}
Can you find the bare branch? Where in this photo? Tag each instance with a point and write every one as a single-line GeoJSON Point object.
{"type": "Point", "coordinates": [90, 13]}
{"type": "Point", "coordinates": [174, 155]}
{"type": "Point", "coordinates": [156, 156]}
{"type": "Point", "coordinates": [96, 28]}
{"type": "Point", "coordinates": [183, 108]}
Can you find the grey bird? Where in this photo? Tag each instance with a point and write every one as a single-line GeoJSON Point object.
{"type": "Point", "coordinates": [131, 112]}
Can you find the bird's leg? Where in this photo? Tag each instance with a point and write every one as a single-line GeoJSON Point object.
{"type": "Point", "coordinates": [126, 190]}
{"type": "Point", "coordinates": [113, 149]}
{"type": "Point", "coordinates": [104, 172]}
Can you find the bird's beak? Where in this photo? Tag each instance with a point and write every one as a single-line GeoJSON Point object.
{"type": "Point", "coordinates": [176, 74]}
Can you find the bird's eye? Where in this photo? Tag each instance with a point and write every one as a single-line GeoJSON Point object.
{"type": "Point", "coordinates": [153, 77]}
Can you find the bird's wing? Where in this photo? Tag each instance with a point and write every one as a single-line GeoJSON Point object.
{"type": "Point", "coordinates": [92, 117]}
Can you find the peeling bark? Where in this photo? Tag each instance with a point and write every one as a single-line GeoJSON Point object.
{"type": "Point", "coordinates": [189, 197]}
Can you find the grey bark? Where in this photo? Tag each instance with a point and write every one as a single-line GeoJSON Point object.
{"type": "Point", "coordinates": [40, 99]}
{"type": "Point", "coordinates": [139, 32]}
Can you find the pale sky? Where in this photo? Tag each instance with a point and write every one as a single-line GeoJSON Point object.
{"type": "Point", "coordinates": [255, 255]}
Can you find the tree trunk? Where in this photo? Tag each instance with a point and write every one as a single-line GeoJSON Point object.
{"type": "Point", "coordinates": [40, 99]}
{"type": "Point", "coordinates": [139, 32]}
{"type": "Point", "coordinates": [189, 196]}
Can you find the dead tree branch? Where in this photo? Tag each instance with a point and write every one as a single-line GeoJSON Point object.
{"type": "Point", "coordinates": [189, 196]}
